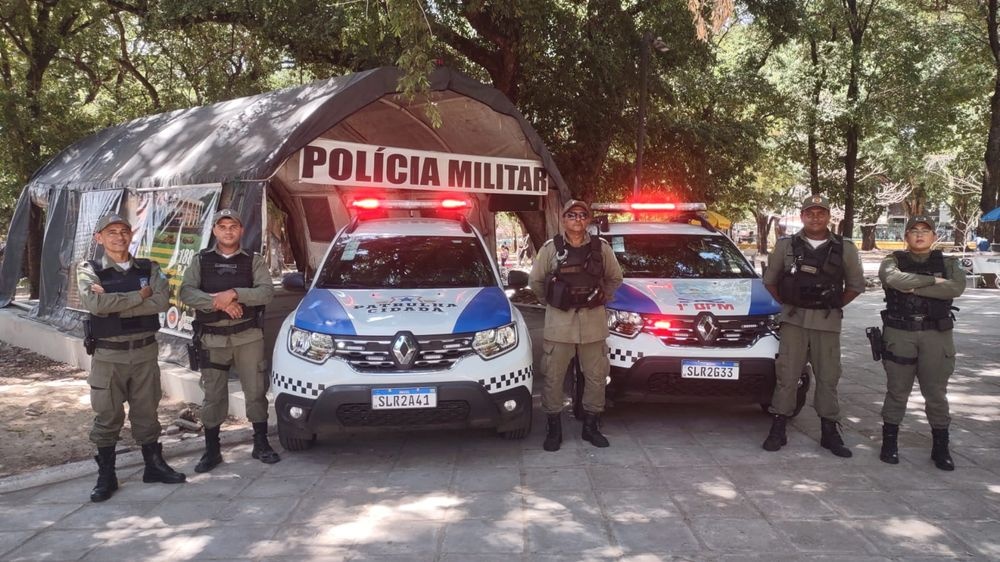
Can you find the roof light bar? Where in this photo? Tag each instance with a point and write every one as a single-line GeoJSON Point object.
{"type": "Point", "coordinates": [371, 204]}
{"type": "Point", "coordinates": [648, 207]}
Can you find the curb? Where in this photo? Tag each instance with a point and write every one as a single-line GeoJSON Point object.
{"type": "Point", "coordinates": [133, 457]}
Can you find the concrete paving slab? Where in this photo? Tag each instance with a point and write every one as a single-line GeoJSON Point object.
{"type": "Point", "coordinates": [680, 482]}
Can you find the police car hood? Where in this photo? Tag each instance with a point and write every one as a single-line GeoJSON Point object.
{"type": "Point", "coordinates": [420, 311]}
{"type": "Point", "coordinates": [689, 297]}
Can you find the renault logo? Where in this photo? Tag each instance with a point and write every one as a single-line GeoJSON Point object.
{"type": "Point", "coordinates": [404, 349]}
{"type": "Point", "coordinates": [707, 330]}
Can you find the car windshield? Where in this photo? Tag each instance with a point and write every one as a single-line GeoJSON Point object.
{"type": "Point", "coordinates": [679, 256]}
{"type": "Point", "coordinates": [405, 262]}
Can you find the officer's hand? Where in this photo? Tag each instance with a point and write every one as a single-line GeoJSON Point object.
{"type": "Point", "coordinates": [97, 289]}
{"type": "Point", "coordinates": [939, 280]}
{"type": "Point", "coordinates": [146, 292]}
{"type": "Point", "coordinates": [234, 310]}
{"type": "Point", "coordinates": [220, 301]}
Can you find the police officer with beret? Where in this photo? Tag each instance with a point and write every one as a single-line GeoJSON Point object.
{"type": "Point", "coordinates": [813, 274]}
{"type": "Point", "coordinates": [919, 284]}
{"type": "Point", "coordinates": [124, 296]}
{"type": "Point", "coordinates": [574, 274]}
{"type": "Point", "coordinates": [228, 287]}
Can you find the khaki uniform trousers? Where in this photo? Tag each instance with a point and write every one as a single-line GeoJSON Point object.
{"type": "Point", "coordinates": [594, 362]}
{"type": "Point", "coordinates": [820, 348]}
{"type": "Point", "coordinates": [935, 355]}
{"type": "Point", "coordinates": [113, 384]}
{"type": "Point", "coordinates": [248, 361]}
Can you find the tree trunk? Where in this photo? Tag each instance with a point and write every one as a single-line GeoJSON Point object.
{"type": "Point", "coordinates": [763, 229]}
{"type": "Point", "coordinates": [534, 225]}
{"type": "Point", "coordinates": [991, 176]}
{"type": "Point", "coordinates": [959, 233]}
{"type": "Point", "coordinates": [868, 237]}
{"type": "Point", "coordinates": [817, 90]}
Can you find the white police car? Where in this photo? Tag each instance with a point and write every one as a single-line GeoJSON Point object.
{"type": "Point", "coordinates": [405, 325]}
{"type": "Point", "coordinates": [692, 318]}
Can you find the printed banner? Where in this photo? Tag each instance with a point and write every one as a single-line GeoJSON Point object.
{"type": "Point", "coordinates": [363, 165]}
{"type": "Point", "coordinates": [93, 206]}
{"type": "Point", "coordinates": [171, 227]}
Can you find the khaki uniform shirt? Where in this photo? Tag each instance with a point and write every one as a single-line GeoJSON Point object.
{"type": "Point", "coordinates": [923, 285]}
{"type": "Point", "coordinates": [584, 325]}
{"type": "Point", "coordinates": [781, 260]}
{"type": "Point", "coordinates": [259, 295]}
{"type": "Point", "coordinates": [126, 305]}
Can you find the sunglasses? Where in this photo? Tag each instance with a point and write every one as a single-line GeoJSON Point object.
{"type": "Point", "coordinates": [576, 216]}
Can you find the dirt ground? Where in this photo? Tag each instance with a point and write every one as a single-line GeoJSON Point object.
{"type": "Point", "coordinates": [45, 413]}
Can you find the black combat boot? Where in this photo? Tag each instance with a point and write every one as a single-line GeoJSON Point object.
{"type": "Point", "coordinates": [831, 438]}
{"type": "Point", "coordinates": [553, 433]}
{"type": "Point", "coordinates": [157, 469]}
{"type": "Point", "coordinates": [592, 430]}
{"type": "Point", "coordinates": [890, 446]}
{"type": "Point", "coordinates": [776, 438]}
{"type": "Point", "coordinates": [213, 453]}
{"type": "Point", "coordinates": [107, 480]}
{"type": "Point", "coordinates": [939, 451]}
{"type": "Point", "coordinates": [261, 448]}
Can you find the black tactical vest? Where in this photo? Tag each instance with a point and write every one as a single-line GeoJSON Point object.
{"type": "Point", "coordinates": [221, 274]}
{"type": "Point", "coordinates": [816, 279]}
{"type": "Point", "coordinates": [914, 308]}
{"type": "Point", "coordinates": [114, 281]}
{"type": "Point", "coordinates": [577, 276]}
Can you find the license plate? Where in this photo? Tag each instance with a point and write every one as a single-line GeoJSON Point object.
{"type": "Point", "coordinates": [400, 398]}
{"type": "Point", "coordinates": [721, 370]}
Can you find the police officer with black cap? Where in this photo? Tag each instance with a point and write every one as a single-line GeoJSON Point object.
{"type": "Point", "coordinates": [574, 274]}
{"type": "Point", "coordinates": [813, 274]}
{"type": "Point", "coordinates": [920, 285]}
{"type": "Point", "coordinates": [124, 296]}
{"type": "Point", "coordinates": [228, 287]}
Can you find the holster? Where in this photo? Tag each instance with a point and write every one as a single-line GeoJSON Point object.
{"type": "Point", "coordinates": [89, 343]}
{"type": "Point", "coordinates": [877, 344]}
{"type": "Point", "coordinates": [194, 348]}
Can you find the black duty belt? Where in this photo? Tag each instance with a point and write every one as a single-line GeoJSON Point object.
{"type": "Point", "coordinates": [917, 323]}
{"type": "Point", "coordinates": [126, 345]}
{"type": "Point", "coordinates": [229, 330]}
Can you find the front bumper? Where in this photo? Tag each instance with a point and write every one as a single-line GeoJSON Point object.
{"type": "Point", "coordinates": [461, 404]}
{"type": "Point", "coordinates": [657, 379]}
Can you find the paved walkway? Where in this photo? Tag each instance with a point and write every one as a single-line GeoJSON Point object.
{"type": "Point", "coordinates": [679, 482]}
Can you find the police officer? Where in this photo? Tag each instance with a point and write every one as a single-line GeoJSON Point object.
{"type": "Point", "coordinates": [574, 274]}
{"type": "Point", "coordinates": [813, 274]}
{"type": "Point", "coordinates": [919, 287]}
{"type": "Point", "coordinates": [124, 297]}
{"type": "Point", "coordinates": [228, 287]}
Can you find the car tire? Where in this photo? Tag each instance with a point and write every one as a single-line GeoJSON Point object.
{"type": "Point", "coordinates": [801, 394]}
{"type": "Point", "coordinates": [294, 441]}
{"type": "Point", "coordinates": [519, 433]}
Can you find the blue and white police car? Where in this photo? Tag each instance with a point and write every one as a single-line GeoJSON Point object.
{"type": "Point", "coordinates": [692, 319]}
{"type": "Point", "coordinates": [405, 325]}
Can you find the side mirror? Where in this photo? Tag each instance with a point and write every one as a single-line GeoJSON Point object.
{"type": "Point", "coordinates": [517, 279]}
{"type": "Point", "coordinates": [295, 281]}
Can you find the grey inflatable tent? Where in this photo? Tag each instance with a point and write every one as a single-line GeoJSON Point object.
{"type": "Point", "coordinates": [238, 148]}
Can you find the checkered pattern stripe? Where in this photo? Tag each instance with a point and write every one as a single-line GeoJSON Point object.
{"type": "Point", "coordinates": [296, 386]}
{"type": "Point", "coordinates": [502, 382]}
{"type": "Point", "coordinates": [625, 355]}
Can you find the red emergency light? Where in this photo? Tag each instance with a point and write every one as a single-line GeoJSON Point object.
{"type": "Point", "coordinates": [647, 206]}
{"type": "Point", "coordinates": [367, 204]}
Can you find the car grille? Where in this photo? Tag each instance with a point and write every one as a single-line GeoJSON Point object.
{"type": "Point", "coordinates": [673, 384]}
{"type": "Point", "coordinates": [362, 415]}
{"type": "Point", "coordinates": [731, 331]}
{"type": "Point", "coordinates": [374, 354]}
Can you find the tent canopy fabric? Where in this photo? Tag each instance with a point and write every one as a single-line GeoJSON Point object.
{"type": "Point", "coordinates": [991, 216]}
{"type": "Point", "coordinates": [248, 138]}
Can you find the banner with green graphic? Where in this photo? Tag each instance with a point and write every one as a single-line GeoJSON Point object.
{"type": "Point", "coordinates": [171, 227]}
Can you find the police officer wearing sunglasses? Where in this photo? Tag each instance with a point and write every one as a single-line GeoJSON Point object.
{"type": "Point", "coordinates": [920, 285]}
{"type": "Point", "coordinates": [574, 274]}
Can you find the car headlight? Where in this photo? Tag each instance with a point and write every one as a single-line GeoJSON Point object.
{"type": "Point", "coordinates": [311, 346]}
{"type": "Point", "coordinates": [623, 323]}
{"type": "Point", "coordinates": [495, 341]}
